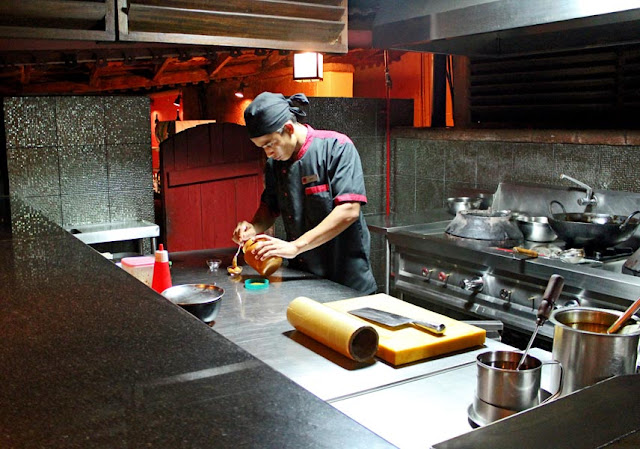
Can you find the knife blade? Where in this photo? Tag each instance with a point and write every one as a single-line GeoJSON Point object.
{"type": "Point", "coordinates": [394, 320]}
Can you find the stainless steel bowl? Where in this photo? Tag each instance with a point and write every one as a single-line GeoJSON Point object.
{"type": "Point", "coordinates": [201, 300]}
{"type": "Point", "coordinates": [536, 229]}
{"type": "Point", "coordinates": [456, 204]}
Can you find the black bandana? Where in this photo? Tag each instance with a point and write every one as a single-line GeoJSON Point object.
{"type": "Point", "coordinates": [269, 112]}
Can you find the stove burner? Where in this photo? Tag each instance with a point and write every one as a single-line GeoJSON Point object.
{"type": "Point", "coordinates": [606, 254]}
{"type": "Point", "coordinates": [482, 243]}
{"type": "Point", "coordinates": [490, 226]}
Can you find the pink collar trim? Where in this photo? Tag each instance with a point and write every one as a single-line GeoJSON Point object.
{"type": "Point", "coordinates": [306, 144]}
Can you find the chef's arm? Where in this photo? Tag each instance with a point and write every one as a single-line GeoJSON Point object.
{"type": "Point", "coordinates": [262, 220]}
{"type": "Point", "coordinates": [340, 218]}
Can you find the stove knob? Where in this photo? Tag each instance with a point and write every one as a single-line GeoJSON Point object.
{"type": "Point", "coordinates": [505, 294]}
{"type": "Point", "coordinates": [475, 285]}
{"type": "Point", "coordinates": [426, 273]}
{"type": "Point", "coordinates": [444, 277]}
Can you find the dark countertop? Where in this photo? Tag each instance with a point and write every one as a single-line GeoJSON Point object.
{"type": "Point", "coordinates": [92, 357]}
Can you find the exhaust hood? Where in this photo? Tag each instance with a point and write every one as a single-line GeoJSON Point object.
{"type": "Point", "coordinates": [505, 27]}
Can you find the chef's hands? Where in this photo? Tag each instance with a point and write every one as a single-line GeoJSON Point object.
{"type": "Point", "coordinates": [243, 232]}
{"type": "Point", "coordinates": [267, 246]}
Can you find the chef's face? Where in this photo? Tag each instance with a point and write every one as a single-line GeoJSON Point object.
{"type": "Point", "coordinates": [278, 145]}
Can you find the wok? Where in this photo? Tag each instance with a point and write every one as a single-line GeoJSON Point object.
{"type": "Point", "coordinates": [590, 229]}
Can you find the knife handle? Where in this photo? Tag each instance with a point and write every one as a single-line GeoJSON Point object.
{"type": "Point", "coordinates": [431, 327]}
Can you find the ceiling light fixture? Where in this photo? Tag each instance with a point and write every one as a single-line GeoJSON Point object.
{"type": "Point", "coordinates": [177, 101]}
{"type": "Point", "coordinates": [239, 93]}
{"type": "Point", "coordinates": [307, 66]}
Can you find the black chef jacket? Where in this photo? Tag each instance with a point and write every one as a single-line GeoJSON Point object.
{"type": "Point", "coordinates": [324, 173]}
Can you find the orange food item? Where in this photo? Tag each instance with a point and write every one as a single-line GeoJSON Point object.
{"type": "Point", "coordinates": [265, 267]}
{"type": "Point", "coordinates": [234, 270]}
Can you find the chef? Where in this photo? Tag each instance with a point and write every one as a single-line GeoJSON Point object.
{"type": "Point", "coordinates": [314, 180]}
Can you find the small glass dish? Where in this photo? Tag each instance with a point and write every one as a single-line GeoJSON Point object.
{"type": "Point", "coordinates": [213, 264]}
{"type": "Point", "coordinates": [234, 271]}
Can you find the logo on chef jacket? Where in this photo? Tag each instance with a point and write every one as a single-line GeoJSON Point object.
{"type": "Point", "coordinates": [309, 179]}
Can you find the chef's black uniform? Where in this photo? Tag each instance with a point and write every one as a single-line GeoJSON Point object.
{"type": "Point", "coordinates": [324, 173]}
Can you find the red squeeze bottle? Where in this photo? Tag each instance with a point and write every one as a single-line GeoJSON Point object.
{"type": "Point", "coordinates": [161, 274]}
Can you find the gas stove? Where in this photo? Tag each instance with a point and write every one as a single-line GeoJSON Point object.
{"type": "Point", "coordinates": [467, 278]}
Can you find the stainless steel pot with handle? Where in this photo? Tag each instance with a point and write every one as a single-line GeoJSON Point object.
{"type": "Point", "coordinates": [587, 353]}
{"type": "Point", "coordinates": [590, 229]}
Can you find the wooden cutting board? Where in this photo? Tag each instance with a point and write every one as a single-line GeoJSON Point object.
{"type": "Point", "coordinates": [408, 344]}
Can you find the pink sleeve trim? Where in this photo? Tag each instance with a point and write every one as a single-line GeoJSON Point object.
{"type": "Point", "coordinates": [349, 198]}
{"type": "Point", "coordinates": [316, 189]}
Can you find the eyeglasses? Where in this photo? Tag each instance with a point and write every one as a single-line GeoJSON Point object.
{"type": "Point", "coordinates": [273, 141]}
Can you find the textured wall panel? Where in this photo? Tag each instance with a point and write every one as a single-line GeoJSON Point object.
{"type": "Point", "coordinates": [85, 209]}
{"type": "Point", "coordinates": [372, 152]}
{"type": "Point", "coordinates": [461, 162]}
{"type": "Point", "coordinates": [80, 120]}
{"type": "Point", "coordinates": [533, 162]}
{"type": "Point", "coordinates": [430, 158]}
{"type": "Point", "coordinates": [33, 171]}
{"type": "Point", "coordinates": [495, 163]}
{"type": "Point", "coordinates": [83, 169]}
{"type": "Point", "coordinates": [581, 162]}
{"type": "Point", "coordinates": [131, 205]}
{"type": "Point", "coordinates": [619, 169]}
{"type": "Point", "coordinates": [429, 194]}
{"type": "Point", "coordinates": [129, 167]}
{"type": "Point", "coordinates": [30, 122]}
{"type": "Point", "coordinates": [58, 161]}
{"type": "Point", "coordinates": [376, 194]}
{"type": "Point", "coordinates": [127, 120]}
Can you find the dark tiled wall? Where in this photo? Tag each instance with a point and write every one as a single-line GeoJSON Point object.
{"type": "Point", "coordinates": [426, 172]}
{"type": "Point", "coordinates": [81, 160]}
{"type": "Point", "coordinates": [364, 121]}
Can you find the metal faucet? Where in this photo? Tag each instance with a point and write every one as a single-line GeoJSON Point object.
{"type": "Point", "coordinates": [590, 199]}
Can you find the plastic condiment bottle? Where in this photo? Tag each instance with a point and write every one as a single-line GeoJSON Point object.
{"type": "Point", "coordinates": [265, 267]}
{"type": "Point", "coordinates": [161, 274]}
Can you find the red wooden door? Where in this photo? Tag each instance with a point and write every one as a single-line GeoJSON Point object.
{"type": "Point", "coordinates": [211, 179]}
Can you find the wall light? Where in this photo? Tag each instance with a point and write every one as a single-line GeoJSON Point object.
{"type": "Point", "coordinates": [177, 101]}
{"type": "Point", "coordinates": [239, 93]}
{"type": "Point", "coordinates": [307, 66]}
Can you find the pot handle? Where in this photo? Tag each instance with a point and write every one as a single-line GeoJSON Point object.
{"type": "Point", "coordinates": [626, 221]}
{"type": "Point", "coordinates": [560, 382]}
{"type": "Point", "coordinates": [564, 211]}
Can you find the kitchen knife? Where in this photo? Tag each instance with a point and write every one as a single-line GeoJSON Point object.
{"type": "Point", "coordinates": [393, 320]}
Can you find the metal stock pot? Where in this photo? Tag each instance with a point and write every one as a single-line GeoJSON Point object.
{"type": "Point", "coordinates": [587, 353]}
{"type": "Point", "coordinates": [590, 229]}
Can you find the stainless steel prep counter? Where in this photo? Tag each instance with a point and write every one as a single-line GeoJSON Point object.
{"type": "Point", "coordinates": [416, 405]}
{"type": "Point", "coordinates": [116, 232]}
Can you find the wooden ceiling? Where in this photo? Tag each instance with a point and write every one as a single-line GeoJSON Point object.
{"type": "Point", "coordinates": [147, 59]}
{"type": "Point", "coordinates": [141, 67]}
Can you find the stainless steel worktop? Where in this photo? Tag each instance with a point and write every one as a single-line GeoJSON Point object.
{"type": "Point", "coordinates": [390, 401]}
